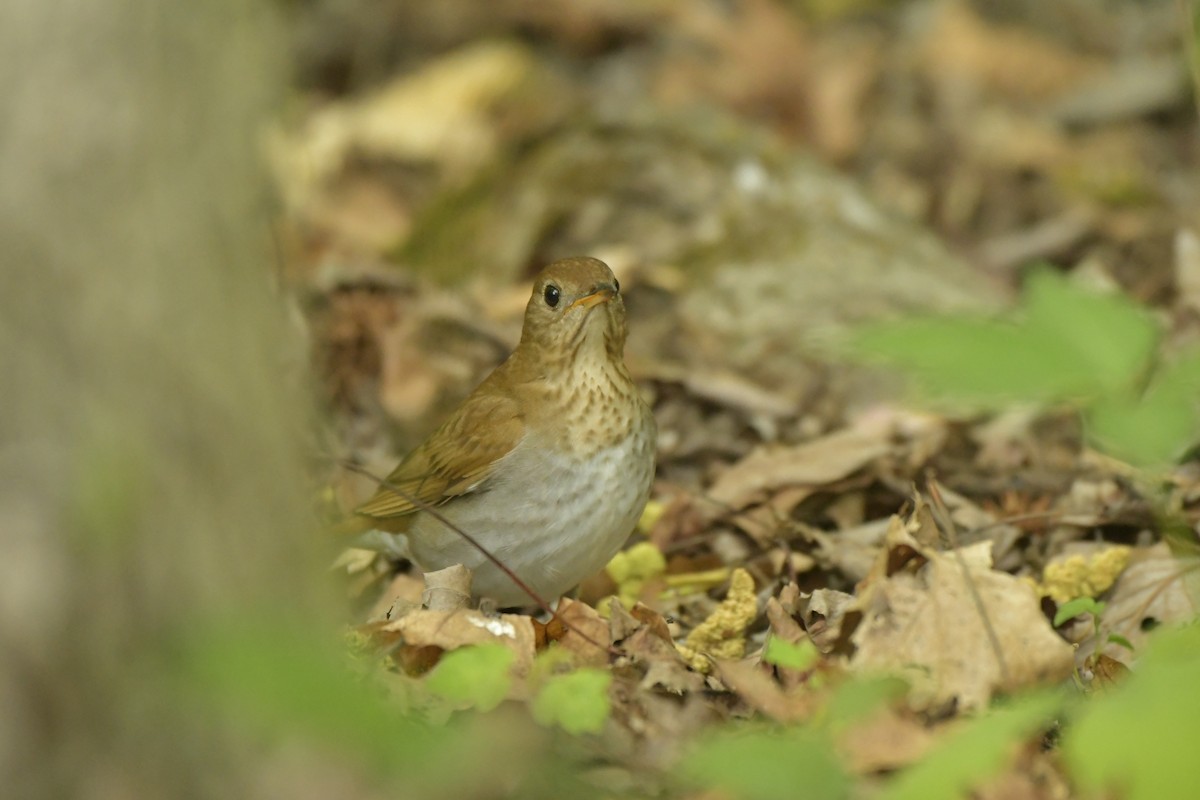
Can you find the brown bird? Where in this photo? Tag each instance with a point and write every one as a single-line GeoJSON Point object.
{"type": "Point", "coordinates": [548, 463]}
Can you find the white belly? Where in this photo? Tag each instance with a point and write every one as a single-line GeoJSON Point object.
{"type": "Point", "coordinates": [554, 520]}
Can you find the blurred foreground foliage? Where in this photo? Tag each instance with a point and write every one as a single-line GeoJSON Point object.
{"type": "Point", "coordinates": [1093, 351]}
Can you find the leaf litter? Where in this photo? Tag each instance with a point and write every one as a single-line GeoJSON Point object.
{"type": "Point", "coordinates": [793, 498]}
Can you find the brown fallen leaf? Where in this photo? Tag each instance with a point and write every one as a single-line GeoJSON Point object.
{"type": "Point", "coordinates": [822, 613]}
{"type": "Point", "coordinates": [681, 519]}
{"type": "Point", "coordinates": [646, 644]}
{"type": "Point", "coordinates": [885, 741]}
{"type": "Point", "coordinates": [574, 622]}
{"type": "Point", "coordinates": [446, 630]}
{"type": "Point", "coordinates": [1107, 673]}
{"type": "Point", "coordinates": [1006, 59]}
{"type": "Point", "coordinates": [755, 686]}
{"type": "Point", "coordinates": [846, 69]}
{"type": "Point", "coordinates": [621, 623]}
{"type": "Point", "coordinates": [926, 626]}
{"type": "Point", "coordinates": [439, 114]}
{"type": "Point", "coordinates": [447, 589]}
{"type": "Point", "coordinates": [782, 624]}
{"type": "Point", "coordinates": [815, 463]}
{"type": "Point", "coordinates": [764, 523]}
{"type": "Point", "coordinates": [1155, 589]}
{"type": "Point", "coordinates": [1035, 774]}
{"type": "Point", "coordinates": [905, 545]}
{"type": "Point", "coordinates": [852, 551]}
{"type": "Point", "coordinates": [722, 387]}
{"type": "Point", "coordinates": [400, 596]}
{"type": "Point", "coordinates": [651, 619]}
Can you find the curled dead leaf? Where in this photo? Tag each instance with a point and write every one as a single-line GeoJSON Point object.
{"type": "Point", "coordinates": [823, 612]}
{"type": "Point", "coordinates": [447, 589]}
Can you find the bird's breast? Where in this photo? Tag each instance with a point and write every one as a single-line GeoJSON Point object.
{"type": "Point", "coordinates": [551, 515]}
{"type": "Point", "coordinates": [594, 409]}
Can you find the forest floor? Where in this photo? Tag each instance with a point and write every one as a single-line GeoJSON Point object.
{"type": "Point", "coordinates": [765, 177]}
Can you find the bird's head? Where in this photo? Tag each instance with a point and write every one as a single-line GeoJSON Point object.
{"type": "Point", "coordinates": [576, 310]}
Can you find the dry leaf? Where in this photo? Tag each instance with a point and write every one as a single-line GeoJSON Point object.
{"type": "Point", "coordinates": [884, 742]}
{"type": "Point", "coordinates": [439, 114]}
{"type": "Point", "coordinates": [852, 551]}
{"type": "Point", "coordinates": [645, 639]}
{"type": "Point", "coordinates": [398, 597]}
{"type": "Point", "coordinates": [1156, 588]}
{"type": "Point", "coordinates": [822, 612]}
{"type": "Point", "coordinates": [758, 689]}
{"type": "Point", "coordinates": [583, 621]}
{"type": "Point", "coordinates": [902, 550]}
{"type": "Point", "coordinates": [814, 463]}
{"type": "Point", "coordinates": [446, 630]}
{"type": "Point", "coordinates": [788, 630]}
{"type": "Point", "coordinates": [847, 68]}
{"type": "Point", "coordinates": [962, 47]}
{"type": "Point", "coordinates": [765, 523]}
{"type": "Point", "coordinates": [447, 589]}
{"type": "Point", "coordinates": [927, 627]}
{"type": "Point", "coordinates": [726, 388]}
{"type": "Point", "coordinates": [782, 624]}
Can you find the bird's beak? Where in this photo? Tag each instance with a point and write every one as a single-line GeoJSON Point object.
{"type": "Point", "coordinates": [601, 294]}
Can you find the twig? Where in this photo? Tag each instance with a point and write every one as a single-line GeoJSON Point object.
{"type": "Point", "coordinates": [945, 523]}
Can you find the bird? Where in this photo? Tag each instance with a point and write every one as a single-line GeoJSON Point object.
{"type": "Point", "coordinates": [548, 463]}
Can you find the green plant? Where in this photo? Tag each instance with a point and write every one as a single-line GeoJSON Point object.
{"type": "Point", "coordinates": [1138, 740]}
{"type": "Point", "coordinates": [476, 676]}
{"type": "Point", "coordinates": [577, 702]}
{"type": "Point", "coordinates": [1094, 352]}
{"type": "Point", "coordinates": [1089, 605]}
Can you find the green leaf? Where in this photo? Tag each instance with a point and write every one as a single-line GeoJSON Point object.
{"type": "Point", "coordinates": [975, 361]}
{"type": "Point", "coordinates": [765, 764]}
{"type": "Point", "coordinates": [1065, 343]}
{"type": "Point", "coordinates": [1159, 426]}
{"type": "Point", "coordinates": [1140, 740]}
{"type": "Point", "coordinates": [1111, 337]}
{"type": "Point", "coordinates": [576, 702]}
{"type": "Point", "coordinates": [1080, 605]}
{"type": "Point", "coordinates": [799, 657]}
{"type": "Point", "coordinates": [265, 677]}
{"type": "Point", "coordinates": [477, 676]}
{"type": "Point", "coordinates": [1120, 640]}
{"type": "Point", "coordinates": [976, 753]}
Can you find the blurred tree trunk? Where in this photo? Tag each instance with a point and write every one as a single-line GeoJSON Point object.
{"type": "Point", "coordinates": [150, 465]}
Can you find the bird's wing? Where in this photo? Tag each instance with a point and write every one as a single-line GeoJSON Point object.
{"type": "Point", "coordinates": [456, 459]}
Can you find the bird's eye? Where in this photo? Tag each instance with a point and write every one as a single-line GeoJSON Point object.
{"type": "Point", "coordinates": [551, 295]}
{"type": "Point", "coordinates": [617, 285]}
